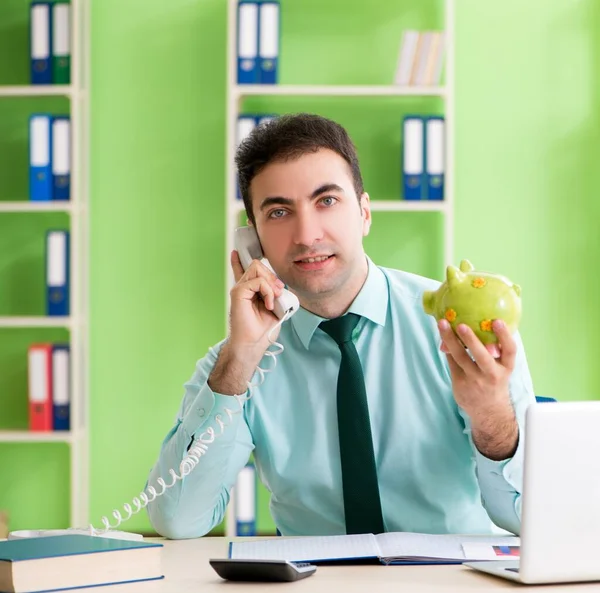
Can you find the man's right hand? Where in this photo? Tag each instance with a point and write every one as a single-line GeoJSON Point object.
{"type": "Point", "coordinates": [251, 320]}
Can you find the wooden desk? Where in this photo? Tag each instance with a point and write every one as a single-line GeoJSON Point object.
{"type": "Point", "coordinates": [186, 570]}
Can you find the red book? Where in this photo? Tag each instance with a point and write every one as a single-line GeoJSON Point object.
{"type": "Point", "coordinates": [40, 387]}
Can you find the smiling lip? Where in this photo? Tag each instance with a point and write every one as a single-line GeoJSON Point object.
{"type": "Point", "coordinates": [316, 264]}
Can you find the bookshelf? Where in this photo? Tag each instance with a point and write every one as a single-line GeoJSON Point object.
{"type": "Point", "coordinates": [76, 324]}
{"type": "Point", "coordinates": [238, 94]}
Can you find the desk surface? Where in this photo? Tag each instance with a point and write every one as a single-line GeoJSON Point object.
{"type": "Point", "coordinates": [186, 569]}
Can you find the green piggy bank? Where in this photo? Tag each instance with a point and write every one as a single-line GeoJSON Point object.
{"type": "Point", "coordinates": [475, 299]}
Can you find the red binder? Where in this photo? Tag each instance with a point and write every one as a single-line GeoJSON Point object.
{"type": "Point", "coordinates": [40, 387]}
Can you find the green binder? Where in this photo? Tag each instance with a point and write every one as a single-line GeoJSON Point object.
{"type": "Point", "coordinates": [61, 43]}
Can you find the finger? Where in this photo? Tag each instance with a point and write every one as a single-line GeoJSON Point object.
{"type": "Point", "coordinates": [258, 269]}
{"type": "Point", "coordinates": [455, 347]}
{"type": "Point", "coordinates": [455, 369]}
{"type": "Point", "coordinates": [508, 346]}
{"type": "Point", "coordinates": [236, 266]}
{"type": "Point", "coordinates": [260, 286]}
{"type": "Point", "coordinates": [484, 360]}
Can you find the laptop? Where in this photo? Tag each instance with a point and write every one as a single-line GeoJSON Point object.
{"type": "Point", "coordinates": [560, 520]}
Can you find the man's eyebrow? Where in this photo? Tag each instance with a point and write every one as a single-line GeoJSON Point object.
{"type": "Point", "coordinates": [281, 201]}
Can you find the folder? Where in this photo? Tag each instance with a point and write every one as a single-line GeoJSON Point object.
{"type": "Point", "coordinates": [61, 386]}
{"type": "Point", "coordinates": [434, 160]}
{"type": "Point", "coordinates": [40, 387]}
{"type": "Point", "coordinates": [245, 501]}
{"type": "Point", "coordinates": [61, 158]}
{"type": "Point", "coordinates": [413, 157]}
{"type": "Point", "coordinates": [61, 43]}
{"type": "Point", "coordinates": [247, 42]}
{"type": "Point", "coordinates": [40, 147]}
{"type": "Point", "coordinates": [40, 40]}
{"type": "Point", "coordinates": [245, 124]}
{"type": "Point", "coordinates": [57, 272]}
{"type": "Point", "coordinates": [268, 42]}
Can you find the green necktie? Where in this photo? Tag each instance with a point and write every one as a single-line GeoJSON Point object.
{"type": "Point", "coordinates": [362, 505]}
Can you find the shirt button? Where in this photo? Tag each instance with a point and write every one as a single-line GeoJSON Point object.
{"type": "Point", "coordinates": [201, 412]}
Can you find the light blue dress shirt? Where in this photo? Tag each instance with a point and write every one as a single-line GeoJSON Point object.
{"type": "Point", "coordinates": [431, 477]}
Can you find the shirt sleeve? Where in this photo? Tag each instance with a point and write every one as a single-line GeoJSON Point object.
{"type": "Point", "coordinates": [194, 505]}
{"type": "Point", "coordinates": [501, 482]}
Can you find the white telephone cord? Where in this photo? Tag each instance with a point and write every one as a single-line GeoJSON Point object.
{"type": "Point", "coordinates": [198, 449]}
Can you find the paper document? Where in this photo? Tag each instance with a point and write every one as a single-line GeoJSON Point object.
{"type": "Point", "coordinates": [388, 548]}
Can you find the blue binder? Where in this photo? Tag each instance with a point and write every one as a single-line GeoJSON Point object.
{"type": "Point", "coordinates": [247, 42]}
{"type": "Point", "coordinates": [413, 157]}
{"type": "Point", "coordinates": [269, 41]}
{"type": "Point", "coordinates": [435, 157]}
{"type": "Point", "coordinates": [40, 42]}
{"type": "Point", "coordinates": [61, 157]}
{"type": "Point", "coordinates": [57, 272]}
{"type": "Point", "coordinates": [40, 157]}
{"type": "Point", "coordinates": [245, 501]}
{"type": "Point", "coordinates": [61, 386]}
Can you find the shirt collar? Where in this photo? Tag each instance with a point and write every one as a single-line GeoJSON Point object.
{"type": "Point", "coordinates": [371, 302]}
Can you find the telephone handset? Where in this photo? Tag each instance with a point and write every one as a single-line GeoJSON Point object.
{"type": "Point", "coordinates": [248, 246]}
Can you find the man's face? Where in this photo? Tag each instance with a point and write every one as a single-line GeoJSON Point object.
{"type": "Point", "coordinates": [310, 222]}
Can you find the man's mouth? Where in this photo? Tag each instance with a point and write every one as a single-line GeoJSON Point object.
{"type": "Point", "coordinates": [310, 260]}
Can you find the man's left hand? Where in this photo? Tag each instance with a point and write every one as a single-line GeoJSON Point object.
{"type": "Point", "coordinates": [480, 384]}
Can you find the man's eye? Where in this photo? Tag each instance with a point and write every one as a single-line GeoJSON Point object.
{"type": "Point", "coordinates": [277, 214]}
{"type": "Point", "coordinates": [328, 200]}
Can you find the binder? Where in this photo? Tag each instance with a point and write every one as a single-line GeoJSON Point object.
{"type": "Point", "coordinates": [247, 42]}
{"type": "Point", "coordinates": [268, 41]}
{"type": "Point", "coordinates": [40, 40]}
{"type": "Point", "coordinates": [245, 124]}
{"type": "Point", "coordinates": [245, 501]}
{"type": "Point", "coordinates": [434, 160]}
{"type": "Point", "coordinates": [40, 387]}
{"type": "Point", "coordinates": [263, 119]}
{"type": "Point", "coordinates": [61, 158]}
{"type": "Point", "coordinates": [40, 147]}
{"type": "Point", "coordinates": [413, 157]}
{"type": "Point", "coordinates": [57, 272]}
{"type": "Point", "coordinates": [61, 392]}
{"type": "Point", "coordinates": [61, 43]}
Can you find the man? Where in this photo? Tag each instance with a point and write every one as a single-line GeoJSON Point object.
{"type": "Point", "coordinates": [374, 418]}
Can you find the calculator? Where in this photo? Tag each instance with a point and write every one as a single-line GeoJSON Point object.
{"type": "Point", "coordinates": [240, 569]}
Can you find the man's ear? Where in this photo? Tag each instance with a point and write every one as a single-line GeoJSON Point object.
{"type": "Point", "coordinates": [365, 209]}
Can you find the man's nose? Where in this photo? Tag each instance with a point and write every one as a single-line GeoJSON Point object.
{"type": "Point", "coordinates": [308, 230]}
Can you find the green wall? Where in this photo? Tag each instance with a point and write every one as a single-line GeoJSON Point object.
{"type": "Point", "coordinates": [526, 133]}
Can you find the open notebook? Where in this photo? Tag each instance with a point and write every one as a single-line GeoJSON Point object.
{"type": "Point", "coordinates": [387, 548]}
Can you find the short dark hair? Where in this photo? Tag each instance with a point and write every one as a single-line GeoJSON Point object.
{"type": "Point", "coordinates": [291, 136]}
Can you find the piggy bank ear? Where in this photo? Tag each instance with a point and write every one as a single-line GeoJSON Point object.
{"type": "Point", "coordinates": [466, 266]}
{"type": "Point", "coordinates": [517, 289]}
{"type": "Point", "coordinates": [454, 275]}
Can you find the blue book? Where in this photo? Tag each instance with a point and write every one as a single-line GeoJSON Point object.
{"type": "Point", "coordinates": [81, 561]}
{"type": "Point", "coordinates": [269, 41]}
{"type": "Point", "coordinates": [40, 42]}
{"type": "Point", "coordinates": [40, 157]}
{"type": "Point", "coordinates": [413, 157]}
{"type": "Point", "coordinates": [247, 42]}
{"type": "Point", "coordinates": [435, 157]}
{"type": "Point", "coordinates": [61, 157]}
{"type": "Point", "coordinates": [57, 272]}
{"type": "Point", "coordinates": [61, 386]}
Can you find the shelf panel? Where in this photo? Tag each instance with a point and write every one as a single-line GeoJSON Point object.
{"type": "Point", "coordinates": [39, 321]}
{"type": "Point", "coordinates": [242, 90]}
{"type": "Point", "coordinates": [27, 436]}
{"type": "Point", "coordinates": [26, 206]}
{"type": "Point", "coordinates": [41, 90]}
{"type": "Point", "coordinates": [390, 206]}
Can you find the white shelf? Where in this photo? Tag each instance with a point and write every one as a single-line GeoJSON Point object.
{"type": "Point", "coordinates": [26, 206]}
{"type": "Point", "coordinates": [387, 206]}
{"type": "Point", "coordinates": [41, 90]}
{"type": "Point", "coordinates": [244, 90]}
{"type": "Point", "coordinates": [40, 321]}
{"type": "Point", "coordinates": [28, 436]}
